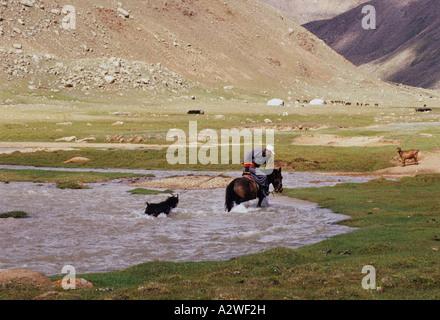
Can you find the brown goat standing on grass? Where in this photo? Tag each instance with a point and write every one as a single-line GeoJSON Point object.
{"type": "Point", "coordinates": [409, 154]}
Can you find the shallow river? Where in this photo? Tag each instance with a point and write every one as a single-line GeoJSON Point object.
{"type": "Point", "coordinates": [104, 228]}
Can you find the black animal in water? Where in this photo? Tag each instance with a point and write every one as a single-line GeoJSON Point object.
{"type": "Point", "coordinates": [155, 209]}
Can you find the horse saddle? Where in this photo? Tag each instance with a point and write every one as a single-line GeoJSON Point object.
{"type": "Point", "coordinates": [249, 176]}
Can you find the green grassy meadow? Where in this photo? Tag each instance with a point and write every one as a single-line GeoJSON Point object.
{"type": "Point", "coordinates": [397, 221]}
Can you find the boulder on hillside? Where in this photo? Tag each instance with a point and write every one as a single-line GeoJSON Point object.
{"type": "Point", "coordinates": [109, 79]}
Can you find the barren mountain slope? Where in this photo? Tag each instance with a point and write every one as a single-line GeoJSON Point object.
{"type": "Point", "coordinates": [176, 45]}
{"type": "Point", "coordinates": [404, 48]}
{"type": "Point", "coordinates": [305, 11]}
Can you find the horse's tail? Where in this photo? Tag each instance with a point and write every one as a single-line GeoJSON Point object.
{"type": "Point", "coordinates": [230, 197]}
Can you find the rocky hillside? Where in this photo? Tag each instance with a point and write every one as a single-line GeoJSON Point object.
{"type": "Point", "coordinates": [403, 48]}
{"type": "Point", "coordinates": [174, 46]}
{"type": "Point", "coordinates": [304, 11]}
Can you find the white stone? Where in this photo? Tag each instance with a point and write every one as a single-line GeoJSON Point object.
{"type": "Point", "coordinates": [123, 12]}
{"type": "Point", "coordinates": [109, 79]}
{"type": "Point", "coordinates": [27, 3]}
{"type": "Point", "coordinates": [67, 139]}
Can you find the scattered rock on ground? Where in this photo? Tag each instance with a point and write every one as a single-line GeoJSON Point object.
{"type": "Point", "coordinates": [188, 182]}
{"type": "Point", "coordinates": [86, 140]}
{"type": "Point", "coordinates": [67, 139]}
{"type": "Point", "coordinates": [27, 3]}
{"type": "Point", "coordinates": [24, 276]}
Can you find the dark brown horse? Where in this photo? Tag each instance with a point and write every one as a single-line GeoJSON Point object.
{"type": "Point", "coordinates": [244, 189]}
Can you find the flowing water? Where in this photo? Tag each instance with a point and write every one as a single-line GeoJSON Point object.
{"type": "Point", "coordinates": [104, 228]}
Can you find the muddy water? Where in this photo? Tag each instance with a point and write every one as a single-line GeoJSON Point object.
{"type": "Point", "coordinates": [104, 228]}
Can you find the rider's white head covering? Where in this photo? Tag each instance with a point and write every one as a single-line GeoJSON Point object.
{"type": "Point", "coordinates": [270, 148]}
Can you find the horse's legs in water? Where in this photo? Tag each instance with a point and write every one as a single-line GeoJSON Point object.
{"type": "Point", "coordinates": [239, 191]}
{"type": "Point", "coordinates": [260, 201]}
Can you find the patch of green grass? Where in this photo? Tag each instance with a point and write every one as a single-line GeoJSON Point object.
{"type": "Point", "coordinates": [71, 185]}
{"type": "Point", "coordinates": [319, 158]}
{"type": "Point", "coordinates": [111, 159]}
{"type": "Point", "coordinates": [14, 214]}
{"type": "Point", "coordinates": [149, 191]}
{"type": "Point", "coordinates": [52, 176]}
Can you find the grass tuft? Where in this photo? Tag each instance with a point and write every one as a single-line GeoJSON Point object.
{"type": "Point", "coordinates": [14, 214]}
{"type": "Point", "coordinates": [71, 185]}
{"type": "Point", "coordinates": [149, 191]}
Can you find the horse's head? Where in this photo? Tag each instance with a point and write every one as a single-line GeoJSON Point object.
{"type": "Point", "coordinates": [277, 180]}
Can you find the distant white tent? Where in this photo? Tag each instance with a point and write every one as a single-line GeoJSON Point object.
{"type": "Point", "coordinates": [317, 102]}
{"type": "Point", "coordinates": [275, 103]}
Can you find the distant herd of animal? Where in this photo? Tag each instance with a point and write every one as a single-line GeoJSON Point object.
{"type": "Point", "coordinates": [337, 102]}
{"type": "Point", "coordinates": [346, 103]}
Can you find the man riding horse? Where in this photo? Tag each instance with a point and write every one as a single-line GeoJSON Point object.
{"type": "Point", "coordinates": [255, 183]}
{"type": "Point", "coordinates": [252, 161]}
